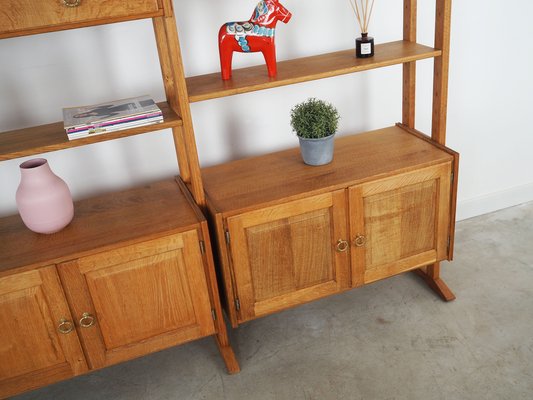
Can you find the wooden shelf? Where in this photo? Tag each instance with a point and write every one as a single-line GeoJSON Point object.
{"type": "Point", "coordinates": [52, 137]}
{"type": "Point", "coordinates": [100, 223]}
{"type": "Point", "coordinates": [265, 180]}
{"type": "Point", "coordinates": [211, 86]}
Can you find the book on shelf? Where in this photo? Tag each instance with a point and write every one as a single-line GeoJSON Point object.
{"type": "Point", "coordinates": [98, 130]}
{"type": "Point", "coordinates": [112, 115]}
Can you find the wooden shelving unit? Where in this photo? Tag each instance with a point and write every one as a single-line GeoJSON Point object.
{"type": "Point", "coordinates": [288, 233]}
{"type": "Point", "coordinates": [210, 86]}
{"type": "Point", "coordinates": [133, 273]}
{"type": "Point", "coordinates": [285, 233]}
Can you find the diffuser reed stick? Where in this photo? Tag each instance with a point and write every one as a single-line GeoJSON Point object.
{"type": "Point", "coordinates": [363, 12]}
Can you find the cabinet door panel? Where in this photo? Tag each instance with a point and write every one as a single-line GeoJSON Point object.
{"type": "Point", "coordinates": [285, 255]}
{"type": "Point", "coordinates": [32, 350]}
{"type": "Point", "coordinates": [403, 222]}
{"type": "Point", "coordinates": [144, 297]}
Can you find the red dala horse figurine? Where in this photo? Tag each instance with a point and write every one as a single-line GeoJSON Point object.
{"type": "Point", "coordinates": [256, 34]}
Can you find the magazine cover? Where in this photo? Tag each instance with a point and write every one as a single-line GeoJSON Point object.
{"type": "Point", "coordinates": [95, 114]}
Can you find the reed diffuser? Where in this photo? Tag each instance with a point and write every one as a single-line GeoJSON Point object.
{"type": "Point", "coordinates": [364, 45]}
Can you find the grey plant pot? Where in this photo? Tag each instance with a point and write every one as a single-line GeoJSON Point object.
{"type": "Point", "coordinates": [317, 151]}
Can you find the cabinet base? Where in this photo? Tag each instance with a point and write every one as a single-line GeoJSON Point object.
{"type": "Point", "coordinates": [431, 275]}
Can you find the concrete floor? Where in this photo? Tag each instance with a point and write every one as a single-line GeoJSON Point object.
{"type": "Point", "coordinates": [391, 340]}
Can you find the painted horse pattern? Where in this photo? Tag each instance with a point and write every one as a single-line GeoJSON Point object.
{"type": "Point", "coordinates": [256, 34]}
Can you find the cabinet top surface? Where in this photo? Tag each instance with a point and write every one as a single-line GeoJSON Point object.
{"type": "Point", "coordinates": [100, 223]}
{"type": "Point", "coordinates": [267, 179]}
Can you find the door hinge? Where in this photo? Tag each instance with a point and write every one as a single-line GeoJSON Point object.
{"type": "Point", "coordinates": [213, 314]}
{"type": "Point", "coordinates": [453, 177]}
{"type": "Point", "coordinates": [237, 304]}
{"type": "Point", "coordinates": [202, 246]}
{"type": "Point", "coordinates": [227, 237]}
{"type": "Point", "coordinates": [449, 243]}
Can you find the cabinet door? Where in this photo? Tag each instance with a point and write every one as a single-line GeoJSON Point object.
{"type": "Point", "coordinates": [287, 254]}
{"type": "Point", "coordinates": [139, 299]}
{"type": "Point", "coordinates": [399, 223]}
{"type": "Point", "coordinates": [33, 351]}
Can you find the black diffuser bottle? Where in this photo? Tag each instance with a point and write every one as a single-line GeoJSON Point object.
{"type": "Point", "coordinates": [364, 46]}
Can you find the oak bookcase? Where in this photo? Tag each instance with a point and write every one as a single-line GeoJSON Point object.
{"type": "Point", "coordinates": [287, 233]}
{"type": "Point", "coordinates": [133, 273]}
{"type": "Point", "coordinates": [279, 242]}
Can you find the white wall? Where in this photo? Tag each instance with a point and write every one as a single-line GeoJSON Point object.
{"type": "Point", "coordinates": [491, 92]}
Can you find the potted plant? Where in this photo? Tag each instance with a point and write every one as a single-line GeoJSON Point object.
{"type": "Point", "coordinates": [315, 123]}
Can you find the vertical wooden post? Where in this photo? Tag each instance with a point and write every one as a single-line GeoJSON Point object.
{"type": "Point", "coordinates": [176, 88]}
{"type": "Point", "coordinates": [170, 91]}
{"type": "Point", "coordinates": [441, 67]}
{"type": "Point", "coordinates": [409, 69]}
{"type": "Point", "coordinates": [438, 128]}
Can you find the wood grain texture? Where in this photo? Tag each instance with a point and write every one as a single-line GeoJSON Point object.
{"type": "Point", "coordinates": [52, 137]}
{"type": "Point", "coordinates": [285, 255]}
{"type": "Point", "coordinates": [221, 336]}
{"type": "Point", "coordinates": [404, 219]}
{"type": "Point", "coordinates": [142, 305]}
{"type": "Point", "coordinates": [100, 223]}
{"type": "Point", "coordinates": [440, 70]}
{"type": "Point", "coordinates": [32, 351]}
{"type": "Point", "coordinates": [24, 17]}
{"type": "Point", "coordinates": [282, 176]}
{"type": "Point", "coordinates": [305, 69]}
{"type": "Point", "coordinates": [169, 50]}
{"type": "Point", "coordinates": [409, 69]}
{"type": "Point", "coordinates": [455, 183]}
{"type": "Point", "coordinates": [169, 82]}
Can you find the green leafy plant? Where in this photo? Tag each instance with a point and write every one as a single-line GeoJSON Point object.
{"type": "Point", "coordinates": [314, 119]}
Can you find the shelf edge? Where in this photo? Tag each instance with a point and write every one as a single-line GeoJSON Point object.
{"type": "Point", "coordinates": [273, 82]}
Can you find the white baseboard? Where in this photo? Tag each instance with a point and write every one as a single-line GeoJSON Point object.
{"type": "Point", "coordinates": [494, 201]}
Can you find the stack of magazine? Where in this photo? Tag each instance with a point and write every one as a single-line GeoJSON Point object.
{"type": "Point", "coordinates": [112, 116]}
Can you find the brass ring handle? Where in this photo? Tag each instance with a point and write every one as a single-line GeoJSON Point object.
{"type": "Point", "coordinates": [342, 245]}
{"type": "Point", "coordinates": [86, 320]}
{"type": "Point", "coordinates": [359, 241]}
{"type": "Point", "coordinates": [71, 3]}
{"type": "Point", "coordinates": [65, 326]}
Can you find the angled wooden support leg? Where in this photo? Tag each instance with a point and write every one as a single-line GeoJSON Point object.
{"type": "Point", "coordinates": [232, 365]}
{"type": "Point", "coordinates": [431, 275]}
{"type": "Point", "coordinates": [221, 336]}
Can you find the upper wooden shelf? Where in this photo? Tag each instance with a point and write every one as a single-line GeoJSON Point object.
{"type": "Point", "coordinates": [52, 137]}
{"type": "Point", "coordinates": [211, 86]}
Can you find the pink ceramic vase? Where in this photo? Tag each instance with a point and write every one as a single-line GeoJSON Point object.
{"type": "Point", "coordinates": [43, 199]}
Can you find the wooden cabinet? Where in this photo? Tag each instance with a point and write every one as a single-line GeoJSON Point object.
{"type": "Point", "coordinates": [138, 299]}
{"type": "Point", "coordinates": [286, 255]}
{"type": "Point", "coordinates": [132, 274]}
{"type": "Point", "coordinates": [321, 230]}
{"type": "Point", "coordinates": [38, 344]}
{"type": "Point", "coordinates": [135, 266]}
{"type": "Point", "coordinates": [125, 303]}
